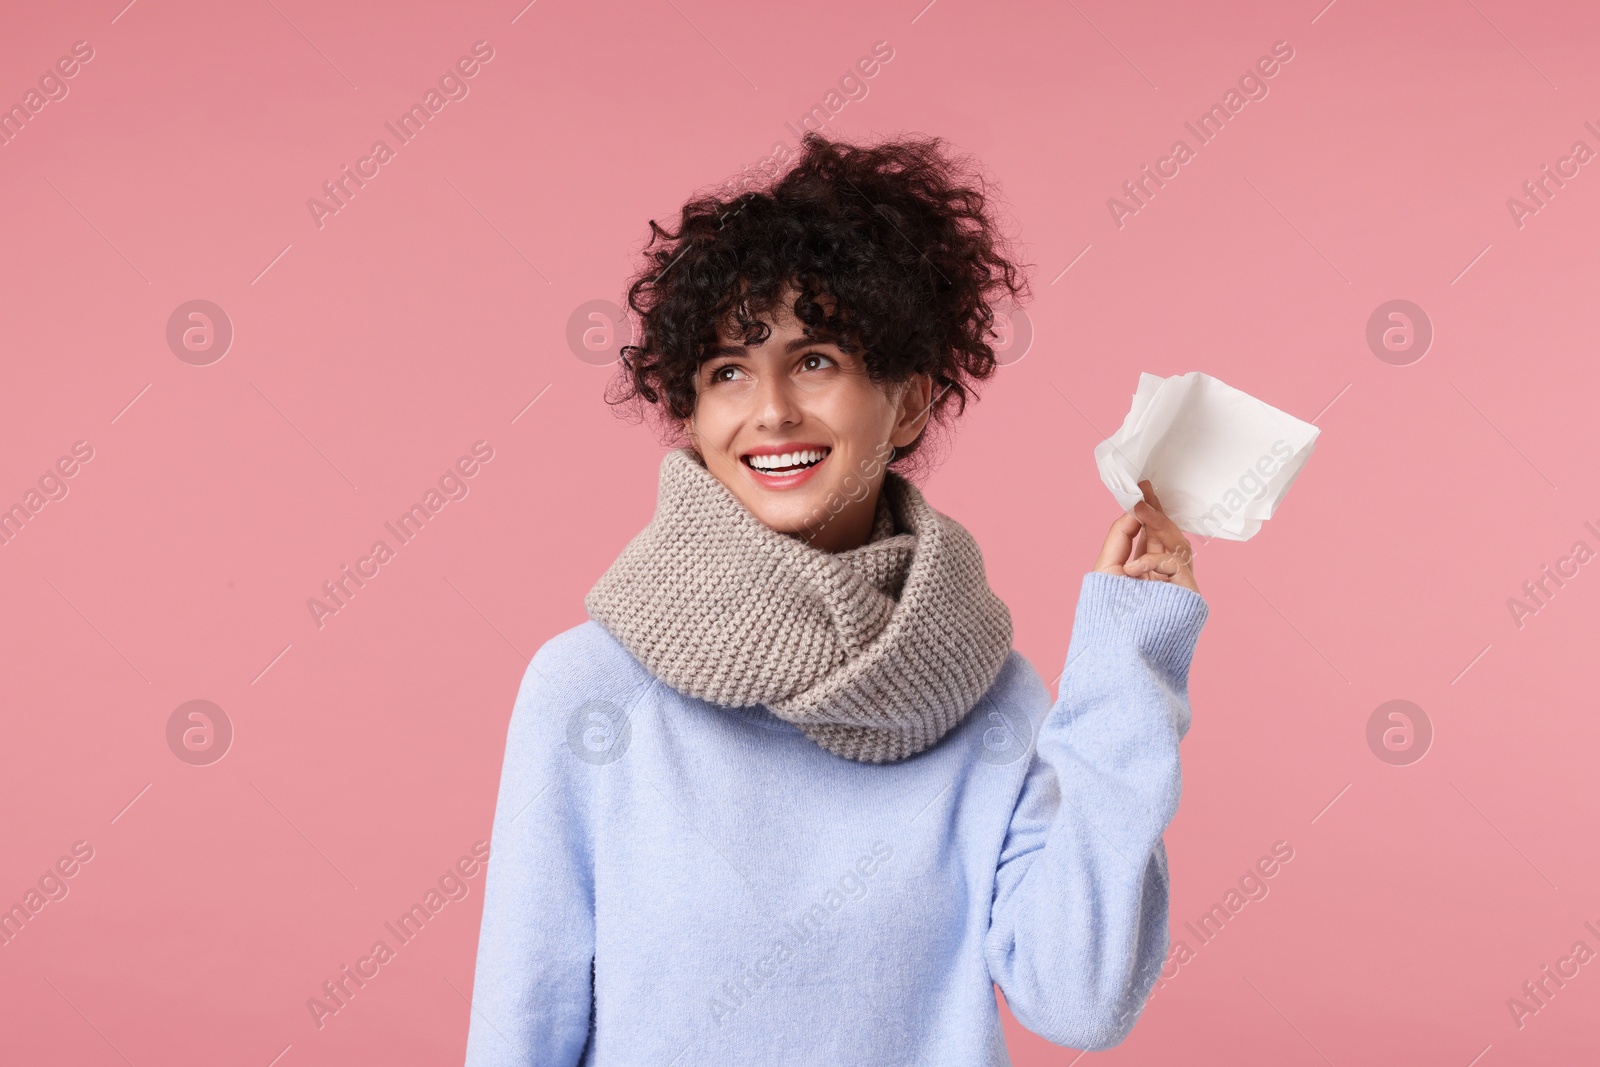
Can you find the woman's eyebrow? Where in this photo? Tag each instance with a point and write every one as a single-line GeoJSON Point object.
{"type": "Point", "coordinates": [792, 346]}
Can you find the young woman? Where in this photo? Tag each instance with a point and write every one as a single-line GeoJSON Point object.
{"type": "Point", "coordinates": [790, 796]}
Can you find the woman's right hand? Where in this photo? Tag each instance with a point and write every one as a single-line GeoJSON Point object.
{"type": "Point", "coordinates": [1165, 555]}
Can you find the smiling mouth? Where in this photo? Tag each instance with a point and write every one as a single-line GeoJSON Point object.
{"type": "Point", "coordinates": [786, 463]}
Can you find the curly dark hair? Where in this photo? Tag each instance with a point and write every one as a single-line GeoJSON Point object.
{"type": "Point", "coordinates": [898, 234]}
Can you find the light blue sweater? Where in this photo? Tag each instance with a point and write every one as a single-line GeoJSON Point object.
{"type": "Point", "coordinates": [673, 883]}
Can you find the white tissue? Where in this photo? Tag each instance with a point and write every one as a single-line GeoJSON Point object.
{"type": "Point", "coordinates": [1219, 459]}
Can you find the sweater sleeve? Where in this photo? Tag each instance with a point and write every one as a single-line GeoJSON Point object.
{"type": "Point", "coordinates": [532, 988]}
{"type": "Point", "coordinates": [1078, 924]}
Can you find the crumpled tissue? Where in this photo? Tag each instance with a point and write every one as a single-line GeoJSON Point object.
{"type": "Point", "coordinates": [1219, 459]}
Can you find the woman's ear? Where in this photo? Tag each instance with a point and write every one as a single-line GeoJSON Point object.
{"type": "Point", "coordinates": [916, 398]}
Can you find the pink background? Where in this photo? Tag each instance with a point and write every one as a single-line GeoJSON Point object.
{"type": "Point", "coordinates": [428, 313]}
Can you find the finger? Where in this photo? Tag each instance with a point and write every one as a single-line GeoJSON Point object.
{"type": "Point", "coordinates": [1141, 568]}
{"type": "Point", "coordinates": [1150, 494]}
{"type": "Point", "coordinates": [1151, 499]}
{"type": "Point", "coordinates": [1157, 564]}
{"type": "Point", "coordinates": [1169, 568]}
{"type": "Point", "coordinates": [1118, 545]}
{"type": "Point", "coordinates": [1153, 517]}
{"type": "Point", "coordinates": [1156, 543]}
{"type": "Point", "coordinates": [1162, 529]}
{"type": "Point", "coordinates": [1162, 565]}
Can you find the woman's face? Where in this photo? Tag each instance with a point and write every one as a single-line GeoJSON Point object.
{"type": "Point", "coordinates": [799, 433]}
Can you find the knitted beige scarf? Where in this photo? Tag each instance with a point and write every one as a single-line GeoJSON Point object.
{"type": "Point", "coordinates": [875, 652]}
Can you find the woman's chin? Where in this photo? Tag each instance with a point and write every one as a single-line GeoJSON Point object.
{"type": "Point", "coordinates": [797, 513]}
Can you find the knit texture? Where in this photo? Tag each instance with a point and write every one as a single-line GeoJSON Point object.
{"type": "Point", "coordinates": [876, 652]}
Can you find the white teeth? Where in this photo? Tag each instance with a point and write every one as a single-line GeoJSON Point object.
{"type": "Point", "coordinates": [786, 459]}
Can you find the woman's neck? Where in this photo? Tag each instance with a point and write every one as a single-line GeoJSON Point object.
{"type": "Point", "coordinates": [850, 527]}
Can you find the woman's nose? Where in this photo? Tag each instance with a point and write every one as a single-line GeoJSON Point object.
{"type": "Point", "coordinates": [775, 403]}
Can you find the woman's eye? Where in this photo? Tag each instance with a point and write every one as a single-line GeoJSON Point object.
{"type": "Point", "coordinates": [817, 356]}
{"type": "Point", "coordinates": [719, 375]}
